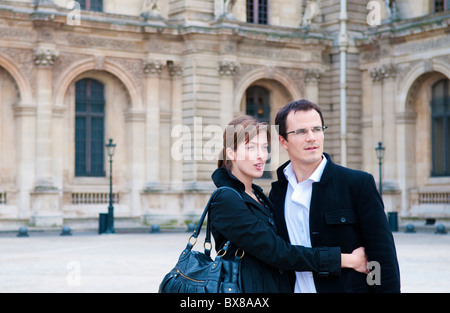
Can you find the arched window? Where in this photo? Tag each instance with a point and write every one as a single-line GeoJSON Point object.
{"type": "Point", "coordinates": [89, 128]}
{"type": "Point", "coordinates": [258, 105]}
{"type": "Point", "coordinates": [440, 128]}
{"type": "Point", "coordinates": [91, 5]}
{"type": "Point", "coordinates": [257, 11]}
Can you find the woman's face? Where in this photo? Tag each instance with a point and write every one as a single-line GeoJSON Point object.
{"type": "Point", "coordinates": [249, 159]}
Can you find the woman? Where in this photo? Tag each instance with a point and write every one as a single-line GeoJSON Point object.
{"type": "Point", "coordinates": [249, 224]}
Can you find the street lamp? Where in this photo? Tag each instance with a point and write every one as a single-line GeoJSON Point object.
{"type": "Point", "coordinates": [380, 154]}
{"type": "Point", "coordinates": [110, 148]}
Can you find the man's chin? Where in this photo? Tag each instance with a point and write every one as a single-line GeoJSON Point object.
{"type": "Point", "coordinates": [312, 159]}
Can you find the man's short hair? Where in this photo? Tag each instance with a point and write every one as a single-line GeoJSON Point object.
{"type": "Point", "coordinates": [299, 105]}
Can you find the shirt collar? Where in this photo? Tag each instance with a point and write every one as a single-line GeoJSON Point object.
{"type": "Point", "coordinates": [315, 176]}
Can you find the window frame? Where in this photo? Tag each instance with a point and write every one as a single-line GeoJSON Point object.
{"type": "Point", "coordinates": [91, 5]}
{"type": "Point", "coordinates": [259, 93]}
{"type": "Point", "coordinates": [88, 115]}
{"type": "Point", "coordinates": [446, 5]}
{"type": "Point", "coordinates": [443, 139]}
{"type": "Point", "coordinates": [257, 6]}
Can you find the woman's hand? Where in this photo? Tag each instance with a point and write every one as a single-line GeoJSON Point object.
{"type": "Point", "coordinates": [356, 260]}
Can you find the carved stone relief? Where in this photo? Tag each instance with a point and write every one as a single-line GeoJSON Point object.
{"type": "Point", "coordinates": [150, 9]}
{"type": "Point", "coordinates": [174, 69]}
{"type": "Point", "coordinates": [153, 67]}
{"type": "Point", "coordinates": [134, 68]}
{"type": "Point", "coordinates": [312, 10]}
{"type": "Point", "coordinates": [109, 43]}
{"type": "Point", "coordinates": [22, 58]}
{"type": "Point", "coordinates": [228, 68]}
{"type": "Point", "coordinates": [63, 62]}
{"type": "Point", "coordinates": [44, 56]}
{"type": "Point", "coordinates": [311, 75]}
{"type": "Point", "coordinates": [383, 72]}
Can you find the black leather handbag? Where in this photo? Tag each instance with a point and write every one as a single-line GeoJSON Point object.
{"type": "Point", "coordinates": [196, 272]}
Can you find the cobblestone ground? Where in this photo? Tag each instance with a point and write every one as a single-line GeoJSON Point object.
{"type": "Point", "coordinates": [87, 262]}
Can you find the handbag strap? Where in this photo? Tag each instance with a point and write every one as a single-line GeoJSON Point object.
{"type": "Point", "coordinates": [208, 226]}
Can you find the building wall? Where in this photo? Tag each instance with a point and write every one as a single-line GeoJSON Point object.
{"type": "Point", "coordinates": [172, 73]}
{"type": "Point", "coordinates": [398, 70]}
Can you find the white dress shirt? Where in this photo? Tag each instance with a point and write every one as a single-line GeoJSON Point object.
{"type": "Point", "coordinates": [296, 210]}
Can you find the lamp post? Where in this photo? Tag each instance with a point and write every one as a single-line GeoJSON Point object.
{"type": "Point", "coordinates": [380, 154]}
{"type": "Point", "coordinates": [110, 148]}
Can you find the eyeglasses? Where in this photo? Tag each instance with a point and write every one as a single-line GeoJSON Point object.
{"type": "Point", "coordinates": [304, 131]}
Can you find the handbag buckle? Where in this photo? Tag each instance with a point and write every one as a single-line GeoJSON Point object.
{"type": "Point", "coordinates": [210, 245]}
{"type": "Point", "coordinates": [195, 240]}
{"type": "Point", "coordinates": [242, 255]}
{"type": "Point", "coordinates": [221, 251]}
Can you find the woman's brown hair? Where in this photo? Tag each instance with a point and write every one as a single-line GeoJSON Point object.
{"type": "Point", "coordinates": [241, 128]}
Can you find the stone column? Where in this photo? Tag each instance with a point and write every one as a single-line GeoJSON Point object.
{"type": "Point", "coordinates": [25, 118]}
{"type": "Point", "coordinates": [152, 70]}
{"type": "Point", "coordinates": [311, 77]}
{"type": "Point", "coordinates": [176, 71]}
{"type": "Point", "coordinates": [58, 138]}
{"type": "Point", "coordinates": [227, 69]}
{"type": "Point", "coordinates": [44, 59]}
{"type": "Point", "coordinates": [368, 155]}
{"type": "Point", "coordinates": [377, 116]}
{"type": "Point", "coordinates": [377, 106]}
{"type": "Point", "coordinates": [405, 124]}
{"type": "Point", "coordinates": [45, 197]}
{"type": "Point", "coordinates": [390, 163]}
{"type": "Point", "coordinates": [135, 148]}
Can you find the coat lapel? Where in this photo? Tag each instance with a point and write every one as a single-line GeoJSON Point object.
{"type": "Point", "coordinates": [323, 199]}
{"type": "Point", "coordinates": [278, 197]}
{"type": "Point", "coordinates": [323, 190]}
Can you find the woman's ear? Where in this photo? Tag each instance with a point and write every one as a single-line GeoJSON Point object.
{"type": "Point", "coordinates": [231, 155]}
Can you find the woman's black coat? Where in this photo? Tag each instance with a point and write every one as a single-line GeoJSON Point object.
{"type": "Point", "coordinates": [250, 226]}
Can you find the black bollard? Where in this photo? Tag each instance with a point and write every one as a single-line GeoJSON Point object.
{"type": "Point", "coordinates": [410, 229]}
{"type": "Point", "coordinates": [23, 232]}
{"type": "Point", "coordinates": [155, 229]}
{"type": "Point", "coordinates": [66, 231]}
{"type": "Point", "coordinates": [440, 229]}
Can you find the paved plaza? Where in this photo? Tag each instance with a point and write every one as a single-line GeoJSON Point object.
{"type": "Point", "coordinates": [137, 262]}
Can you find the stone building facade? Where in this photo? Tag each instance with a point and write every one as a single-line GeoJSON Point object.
{"type": "Point", "coordinates": [153, 75]}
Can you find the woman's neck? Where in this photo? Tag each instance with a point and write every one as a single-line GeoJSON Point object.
{"type": "Point", "coordinates": [246, 180]}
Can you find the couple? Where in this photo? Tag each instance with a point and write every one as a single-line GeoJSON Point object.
{"type": "Point", "coordinates": [320, 225]}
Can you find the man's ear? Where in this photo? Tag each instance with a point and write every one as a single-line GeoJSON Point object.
{"type": "Point", "coordinates": [283, 142]}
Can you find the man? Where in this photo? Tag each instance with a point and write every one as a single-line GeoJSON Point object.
{"type": "Point", "coordinates": [318, 203]}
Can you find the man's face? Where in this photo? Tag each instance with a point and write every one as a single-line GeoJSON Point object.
{"type": "Point", "coordinates": [303, 149]}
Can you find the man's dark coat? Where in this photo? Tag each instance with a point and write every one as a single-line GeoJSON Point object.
{"type": "Point", "coordinates": [250, 226]}
{"type": "Point", "coordinates": [346, 211]}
